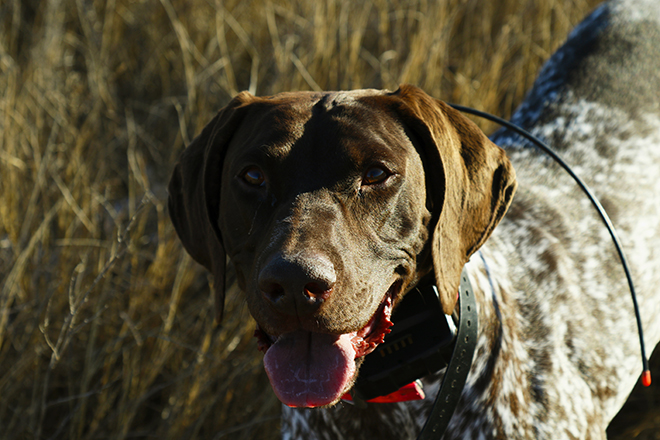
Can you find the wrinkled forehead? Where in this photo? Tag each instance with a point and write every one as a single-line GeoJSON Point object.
{"type": "Point", "coordinates": [325, 120]}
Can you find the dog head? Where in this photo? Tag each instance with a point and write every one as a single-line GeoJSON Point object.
{"type": "Point", "coordinates": [331, 206]}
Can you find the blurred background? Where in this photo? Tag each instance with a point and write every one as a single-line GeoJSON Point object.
{"type": "Point", "coordinates": [106, 325]}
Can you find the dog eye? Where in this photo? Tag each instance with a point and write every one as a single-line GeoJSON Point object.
{"type": "Point", "coordinates": [375, 175]}
{"type": "Point", "coordinates": [253, 176]}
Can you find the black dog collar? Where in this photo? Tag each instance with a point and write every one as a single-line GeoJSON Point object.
{"type": "Point", "coordinates": [459, 365]}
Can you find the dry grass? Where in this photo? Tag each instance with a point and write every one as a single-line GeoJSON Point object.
{"type": "Point", "coordinates": [105, 324]}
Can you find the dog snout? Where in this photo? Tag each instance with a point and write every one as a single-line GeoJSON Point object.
{"type": "Point", "coordinates": [297, 286]}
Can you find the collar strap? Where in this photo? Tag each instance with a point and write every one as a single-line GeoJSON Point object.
{"type": "Point", "coordinates": [459, 365]}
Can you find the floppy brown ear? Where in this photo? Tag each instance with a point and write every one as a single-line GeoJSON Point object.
{"type": "Point", "coordinates": [470, 180]}
{"type": "Point", "coordinates": [194, 194]}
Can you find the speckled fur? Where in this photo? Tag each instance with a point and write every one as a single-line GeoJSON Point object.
{"type": "Point", "coordinates": [558, 352]}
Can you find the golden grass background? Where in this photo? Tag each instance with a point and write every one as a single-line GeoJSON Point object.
{"type": "Point", "coordinates": [106, 326]}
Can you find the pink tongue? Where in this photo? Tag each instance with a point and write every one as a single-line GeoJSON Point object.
{"type": "Point", "coordinates": [310, 369]}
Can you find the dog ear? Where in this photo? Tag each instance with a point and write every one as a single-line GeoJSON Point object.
{"type": "Point", "coordinates": [469, 179]}
{"type": "Point", "coordinates": [194, 194]}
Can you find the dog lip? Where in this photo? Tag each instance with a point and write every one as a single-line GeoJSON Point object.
{"type": "Point", "coordinates": [373, 333]}
{"type": "Point", "coordinates": [264, 340]}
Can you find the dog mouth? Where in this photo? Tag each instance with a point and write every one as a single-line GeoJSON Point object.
{"type": "Point", "coordinates": [312, 369]}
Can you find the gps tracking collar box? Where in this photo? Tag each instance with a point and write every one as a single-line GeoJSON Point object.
{"type": "Point", "coordinates": [420, 344]}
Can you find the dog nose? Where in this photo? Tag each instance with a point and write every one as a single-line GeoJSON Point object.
{"type": "Point", "coordinates": [299, 285]}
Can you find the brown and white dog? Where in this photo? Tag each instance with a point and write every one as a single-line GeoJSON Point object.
{"type": "Point", "coordinates": [331, 206]}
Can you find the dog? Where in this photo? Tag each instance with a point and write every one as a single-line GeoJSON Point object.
{"type": "Point", "coordinates": [332, 206]}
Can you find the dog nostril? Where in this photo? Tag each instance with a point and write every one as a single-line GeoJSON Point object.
{"type": "Point", "coordinates": [317, 291]}
{"type": "Point", "coordinates": [273, 291]}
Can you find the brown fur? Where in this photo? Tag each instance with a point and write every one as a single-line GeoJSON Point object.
{"type": "Point", "coordinates": [314, 149]}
